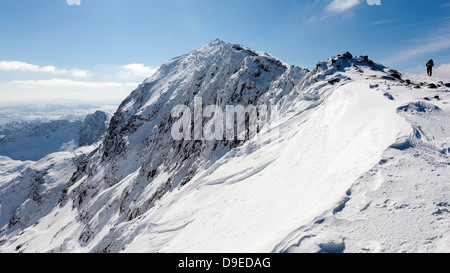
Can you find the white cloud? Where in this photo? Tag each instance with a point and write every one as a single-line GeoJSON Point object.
{"type": "Point", "coordinates": [431, 46]}
{"type": "Point", "coordinates": [339, 6]}
{"type": "Point", "coordinates": [434, 42]}
{"type": "Point", "coordinates": [137, 70]}
{"type": "Point", "coordinates": [55, 82]}
{"type": "Point", "coordinates": [334, 8]}
{"type": "Point", "coordinates": [49, 69]}
{"type": "Point", "coordinates": [109, 86]}
{"type": "Point", "coordinates": [65, 89]}
{"type": "Point", "coordinates": [80, 73]}
{"type": "Point", "coordinates": [18, 66]}
{"type": "Point", "coordinates": [442, 71]}
{"type": "Point", "coordinates": [382, 22]}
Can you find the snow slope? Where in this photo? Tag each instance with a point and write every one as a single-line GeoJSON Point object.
{"type": "Point", "coordinates": [10, 168]}
{"type": "Point", "coordinates": [357, 161]}
{"type": "Point", "coordinates": [400, 204]}
{"type": "Point", "coordinates": [250, 209]}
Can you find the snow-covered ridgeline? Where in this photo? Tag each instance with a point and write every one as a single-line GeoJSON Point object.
{"type": "Point", "coordinates": [35, 139]}
{"type": "Point", "coordinates": [141, 190]}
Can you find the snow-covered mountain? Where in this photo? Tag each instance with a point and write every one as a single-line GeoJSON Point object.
{"type": "Point", "coordinates": [92, 129]}
{"type": "Point", "coordinates": [355, 160]}
{"type": "Point", "coordinates": [34, 140]}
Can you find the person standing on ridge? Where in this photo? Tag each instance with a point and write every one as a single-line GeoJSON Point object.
{"type": "Point", "coordinates": [430, 65]}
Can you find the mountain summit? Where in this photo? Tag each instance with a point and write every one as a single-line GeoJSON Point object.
{"type": "Point", "coordinates": [333, 169]}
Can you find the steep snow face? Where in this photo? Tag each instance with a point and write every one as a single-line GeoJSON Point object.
{"type": "Point", "coordinates": [139, 140]}
{"type": "Point", "coordinates": [303, 184]}
{"type": "Point", "coordinates": [249, 201]}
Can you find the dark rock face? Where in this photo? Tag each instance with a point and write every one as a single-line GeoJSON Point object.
{"type": "Point", "coordinates": [92, 129]}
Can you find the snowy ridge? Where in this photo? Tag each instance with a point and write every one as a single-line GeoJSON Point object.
{"type": "Point", "coordinates": [351, 131]}
{"type": "Point", "coordinates": [35, 139]}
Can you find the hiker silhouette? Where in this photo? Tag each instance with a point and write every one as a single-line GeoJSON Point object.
{"type": "Point", "coordinates": [430, 65]}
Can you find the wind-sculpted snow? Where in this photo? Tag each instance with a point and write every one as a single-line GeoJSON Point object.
{"type": "Point", "coordinates": [335, 125]}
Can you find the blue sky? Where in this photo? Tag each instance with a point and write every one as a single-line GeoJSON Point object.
{"type": "Point", "coordinates": [101, 49]}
